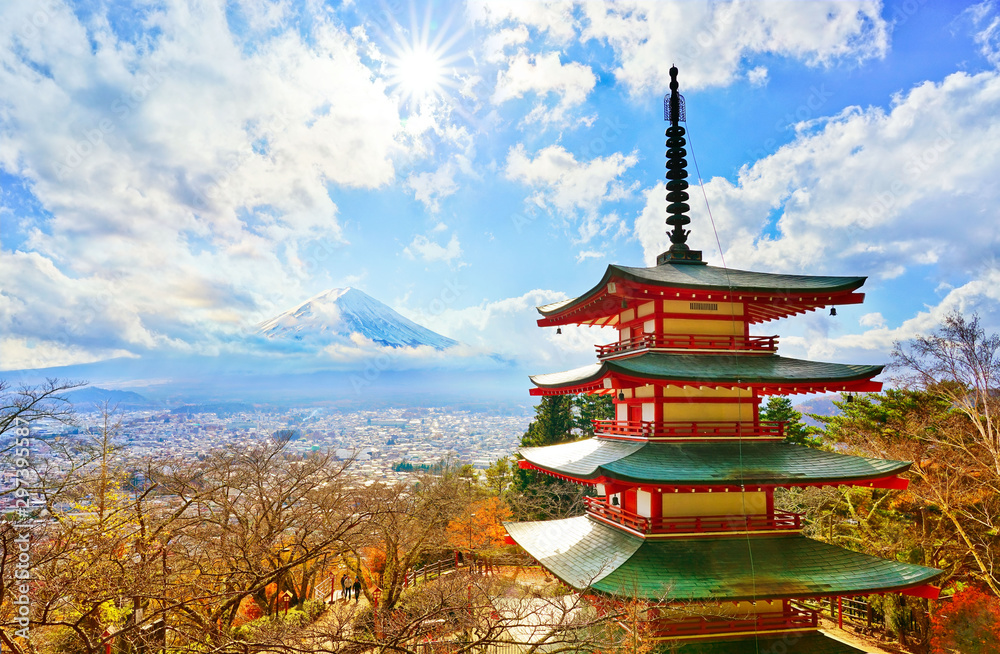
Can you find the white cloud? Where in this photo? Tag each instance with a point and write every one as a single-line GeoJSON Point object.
{"type": "Point", "coordinates": [981, 296]}
{"type": "Point", "coordinates": [985, 20]}
{"type": "Point", "coordinates": [710, 42]}
{"type": "Point", "coordinates": [508, 327]}
{"type": "Point", "coordinates": [423, 248]}
{"type": "Point", "coordinates": [21, 353]}
{"type": "Point", "coordinates": [496, 43]}
{"type": "Point", "coordinates": [757, 76]}
{"type": "Point", "coordinates": [554, 18]}
{"type": "Point", "coordinates": [573, 188]}
{"type": "Point", "coordinates": [870, 191]}
{"type": "Point", "coordinates": [542, 75]}
{"type": "Point", "coordinates": [583, 255]}
{"type": "Point", "coordinates": [872, 320]}
{"type": "Point", "coordinates": [430, 187]}
{"type": "Point", "coordinates": [213, 158]}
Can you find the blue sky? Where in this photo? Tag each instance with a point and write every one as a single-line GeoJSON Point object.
{"type": "Point", "coordinates": [173, 173]}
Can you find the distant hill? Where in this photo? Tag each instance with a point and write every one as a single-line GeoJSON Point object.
{"type": "Point", "coordinates": [820, 405]}
{"type": "Point", "coordinates": [93, 396]}
{"type": "Point", "coordinates": [338, 314]}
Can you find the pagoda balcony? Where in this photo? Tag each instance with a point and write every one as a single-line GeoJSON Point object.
{"type": "Point", "coordinates": [601, 510]}
{"type": "Point", "coordinates": [792, 618]}
{"type": "Point", "coordinates": [670, 430]}
{"type": "Point", "coordinates": [700, 342]}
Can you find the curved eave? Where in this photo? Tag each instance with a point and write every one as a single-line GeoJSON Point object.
{"type": "Point", "coordinates": [585, 554]}
{"type": "Point", "coordinates": [799, 643]}
{"type": "Point", "coordinates": [710, 465]}
{"type": "Point", "coordinates": [769, 296]}
{"type": "Point", "coordinates": [769, 374]}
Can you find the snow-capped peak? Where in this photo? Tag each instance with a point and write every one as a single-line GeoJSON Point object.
{"type": "Point", "coordinates": [339, 313]}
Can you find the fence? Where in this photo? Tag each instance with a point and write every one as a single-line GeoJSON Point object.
{"type": "Point", "coordinates": [435, 569]}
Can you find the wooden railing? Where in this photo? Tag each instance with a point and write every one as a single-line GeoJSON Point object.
{"type": "Point", "coordinates": [429, 571]}
{"type": "Point", "coordinates": [692, 524]}
{"type": "Point", "coordinates": [788, 620]}
{"type": "Point", "coordinates": [690, 342]}
{"type": "Point", "coordinates": [675, 429]}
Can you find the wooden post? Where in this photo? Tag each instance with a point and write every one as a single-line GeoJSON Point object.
{"type": "Point", "coordinates": [840, 611]}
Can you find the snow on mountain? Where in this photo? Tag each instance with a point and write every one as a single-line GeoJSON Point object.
{"type": "Point", "coordinates": [341, 313]}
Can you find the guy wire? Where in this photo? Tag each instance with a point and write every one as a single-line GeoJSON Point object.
{"type": "Point", "coordinates": [732, 310]}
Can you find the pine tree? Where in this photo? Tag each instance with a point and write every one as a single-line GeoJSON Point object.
{"type": "Point", "coordinates": [780, 409]}
{"type": "Point", "coordinates": [554, 422]}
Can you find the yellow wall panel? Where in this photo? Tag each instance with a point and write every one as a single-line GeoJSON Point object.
{"type": "Point", "coordinates": [695, 326]}
{"type": "Point", "coordinates": [707, 412]}
{"type": "Point", "coordinates": [694, 504]}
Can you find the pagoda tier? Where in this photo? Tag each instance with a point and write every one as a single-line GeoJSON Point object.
{"type": "Point", "coordinates": [685, 470]}
{"type": "Point", "coordinates": [660, 490]}
{"type": "Point", "coordinates": [808, 643]}
{"type": "Point", "coordinates": [755, 297]}
{"type": "Point", "coordinates": [721, 466]}
{"type": "Point", "coordinates": [768, 374]}
{"type": "Point", "coordinates": [587, 554]}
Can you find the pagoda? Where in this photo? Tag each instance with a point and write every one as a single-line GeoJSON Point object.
{"type": "Point", "coordinates": [684, 518]}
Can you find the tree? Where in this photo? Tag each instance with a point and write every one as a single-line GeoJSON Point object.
{"type": "Point", "coordinates": [554, 422]}
{"type": "Point", "coordinates": [26, 403]}
{"type": "Point", "coordinates": [780, 409]}
{"type": "Point", "coordinates": [558, 419]}
{"type": "Point", "coordinates": [588, 408]}
{"type": "Point", "coordinates": [959, 365]}
{"type": "Point", "coordinates": [407, 525]}
{"type": "Point", "coordinates": [480, 525]}
{"type": "Point", "coordinates": [969, 623]}
{"type": "Point", "coordinates": [499, 477]}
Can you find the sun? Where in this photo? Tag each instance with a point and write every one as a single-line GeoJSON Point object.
{"type": "Point", "coordinates": [418, 72]}
{"type": "Point", "coordinates": [423, 62]}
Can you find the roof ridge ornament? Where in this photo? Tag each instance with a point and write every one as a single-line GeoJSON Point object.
{"type": "Point", "coordinates": [674, 111]}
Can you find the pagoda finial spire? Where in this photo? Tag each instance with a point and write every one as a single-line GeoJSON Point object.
{"type": "Point", "coordinates": [677, 196]}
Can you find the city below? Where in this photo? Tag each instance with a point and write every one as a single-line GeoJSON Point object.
{"type": "Point", "coordinates": [383, 445]}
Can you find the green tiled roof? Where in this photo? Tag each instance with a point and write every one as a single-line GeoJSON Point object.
{"type": "Point", "coordinates": [583, 552]}
{"type": "Point", "coordinates": [720, 368]}
{"type": "Point", "coordinates": [714, 278]}
{"type": "Point", "coordinates": [684, 464]}
{"type": "Point", "coordinates": [807, 643]}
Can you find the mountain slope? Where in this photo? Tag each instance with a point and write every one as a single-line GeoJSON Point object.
{"type": "Point", "coordinates": [337, 314]}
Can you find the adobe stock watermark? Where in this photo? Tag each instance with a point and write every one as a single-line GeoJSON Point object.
{"type": "Point", "coordinates": [609, 131]}
{"type": "Point", "coordinates": [121, 108]}
{"type": "Point", "coordinates": [887, 200]}
{"type": "Point", "coordinates": [22, 524]}
{"type": "Point", "coordinates": [809, 109]}
{"type": "Point", "coordinates": [89, 310]}
{"type": "Point", "coordinates": [211, 182]}
{"type": "Point", "coordinates": [39, 18]}
{"type": "Point", "coordinates": [374, 368]}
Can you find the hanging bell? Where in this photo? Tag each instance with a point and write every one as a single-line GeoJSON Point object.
{"type": "Point", "coordinates": [833, 311]}
{"type": "Point", "coordinates": [559, 330]}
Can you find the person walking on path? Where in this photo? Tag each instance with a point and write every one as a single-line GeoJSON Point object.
{"type": "Point", "coordinates": [343, 587]}
{"type": "Point", "coordinates": [357, 589]}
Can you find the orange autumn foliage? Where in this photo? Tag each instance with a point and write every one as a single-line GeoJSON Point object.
{"type": "Point", "coordinates": [482, 525]}
{"type": "Point", "coordinates": [969, 623]}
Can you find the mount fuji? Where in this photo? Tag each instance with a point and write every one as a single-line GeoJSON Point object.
{"type": "Point", "coordinates": [341, 314]}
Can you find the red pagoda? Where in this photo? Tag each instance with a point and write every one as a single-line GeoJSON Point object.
{"type": "Point", "coordinates": [685, 474]}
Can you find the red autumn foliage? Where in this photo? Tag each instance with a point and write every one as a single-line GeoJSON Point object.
{"type": "Point", "coordinates": [968, 623]}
